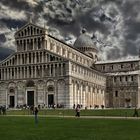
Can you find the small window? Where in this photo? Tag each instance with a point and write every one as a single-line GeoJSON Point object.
{"type": "Point", "coordinates": [126, 78]}
{"type": "Point", "coordinates": [132, 78]}
{"type": "Point", "coordinates": [37, 31]}
{"type": "Point", "coordinates": [112, 67]}
{"type": "Point", "coordinates": [122, 66]}
{"type": "Point", "coordinates": [114, 79]}
{"type": "Point", "coordinates": [11, 90]}
{"type": "Point", "coordinates": [116, 93]}
{"type": "Point", "coordinates": [120, 79]}
{"type": "Point", "coordinates": [103, 67]}
{"type": "Point", "coordinates": [131, 65]}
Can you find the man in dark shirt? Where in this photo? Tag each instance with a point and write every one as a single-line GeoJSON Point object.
{"type": "Point", "coordinates": [35, 113]}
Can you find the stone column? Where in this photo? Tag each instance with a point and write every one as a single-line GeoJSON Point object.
{"type": "Point", "coordinates": [1, 74]}
{"type": "Point", "coordinates": [6, 97]}
{"type": "Point", "coordinates": [14, 73]}
{"type": "Point", "coordinates": [81, 96]}
{"type": "Point", "coordinates": [27, 58]}
{"type": "Point", "coordinates": [39, 57]}
{"type": "Point", "coordinates": [7, 73]}
{"type": "Point", "coordinates": [20, 72]}
{"type": "Point", "coordinates": [50, 70]}
{"type": "Point", "coordinates": [16, 98]}
{"type": "Point", "coordinates": [43, 71]}
{"type": "Point", "coordinates": [10, 73]}
{"type": "Point", "coordinates": [35, 61]}
{"type": "Point", "coordinates": [61, 69]}
{"type": "Point", "coordinates": [20, 59]}
{"type": "Point", "coordinates": [27, 71]}
{"type": "Point", "coordinates": [35, 73]}
{"type": "Point", "coordinates": [32, 73]}
{"type": "Point", "coordinates": [84, 99]}
{"type": "Point", "coordinates": [33, 44]}
{"type": "Point", "coordinates": [54, 70]}
{"type": "Point", "coordinates": [74, 93]}
{"type": "Point", "coordinates": [42, 57]}
{"type": "Point", "coordinates": [17, 73]}
{"type": "Point", "coordinates": [4, 74]}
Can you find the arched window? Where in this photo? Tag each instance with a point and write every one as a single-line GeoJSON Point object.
{"type": "Point", "coordinates": [50, 88]}
{"type": "Point", "coordinates": [31, 30]}
{"type": "Point", "coordinates": [30, 84]}
{"type": "Point", "coordinates": [34, 30]}
{"type": "Point", "coordinates": [37, 31]}
{"type": "Point", "coordinates": [11, 90]}
{"type": "Point", "coordinates": [25, 32]}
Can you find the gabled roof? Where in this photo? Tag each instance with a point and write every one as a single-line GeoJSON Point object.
{"type": "Point", "coordinates": [26, 25]}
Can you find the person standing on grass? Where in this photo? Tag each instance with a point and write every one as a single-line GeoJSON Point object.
{"type": "Point", "coordinates": [135, 113]}
{"type": "Point", "coordinates": [36, 113]}
{"type": "Point", "coordinates": [77, 111]}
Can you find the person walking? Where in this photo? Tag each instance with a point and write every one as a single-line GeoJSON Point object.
{"type": "Point", "coordinates": [77, 111]}
{"type": "Point", "coordinates": [36, 115]}
{"type": "Point", "coordinates": [135, 113]}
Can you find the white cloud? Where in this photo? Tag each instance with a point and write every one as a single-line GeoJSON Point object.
{"type": "Point", "coordinates": [9, 13]}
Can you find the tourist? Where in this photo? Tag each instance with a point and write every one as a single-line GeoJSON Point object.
{"type": "Point", "coordinates": [4, 110]}
{"type": "Point", "coordinates": [31, 109]}
{"type": "Point", "coordinates": [35, 113]}
{"type": "Point", "coordinates": [135, 113]}
{"type": "Point", "coordinates": [74, 106]}
{"type": "Point", "coordinates": [0, 109]}
{"type": "Point", "coordinates": [77, 111]}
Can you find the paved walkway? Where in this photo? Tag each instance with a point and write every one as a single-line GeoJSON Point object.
{"type": "Point", "coordinates": [85, 117]}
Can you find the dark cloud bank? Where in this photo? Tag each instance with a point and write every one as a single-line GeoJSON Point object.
{"type": "Point", "coordinates": [115, 23]}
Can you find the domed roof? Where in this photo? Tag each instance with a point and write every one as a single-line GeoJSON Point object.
{"type": "Point", "coordinates": [84, 40]}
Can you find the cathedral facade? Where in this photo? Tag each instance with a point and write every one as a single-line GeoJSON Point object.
{"type": "Point", "coordinates": [46, 71]}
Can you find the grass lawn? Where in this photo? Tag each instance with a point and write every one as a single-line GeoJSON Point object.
{"type": "Point", "coordinates": [23, 128]}
{"type": "Point", "coordinates": [70, 112]}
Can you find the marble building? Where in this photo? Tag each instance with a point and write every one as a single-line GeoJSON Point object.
{"type": "Point", "coordinates": [46, 71]}
{"type": "Point", "coordinates": [123, 82]}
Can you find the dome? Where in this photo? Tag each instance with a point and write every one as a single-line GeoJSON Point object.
{"type": "Point", "coordinates": [84, 41]}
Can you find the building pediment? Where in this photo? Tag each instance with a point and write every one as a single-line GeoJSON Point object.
{"type": "Point", "coordinates": [30, 29]}
{"type": "Point", "coordinates": [22, 58]}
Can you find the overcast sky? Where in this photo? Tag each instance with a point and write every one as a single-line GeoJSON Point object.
{"type": "Point", "coordinates": [114, 23]}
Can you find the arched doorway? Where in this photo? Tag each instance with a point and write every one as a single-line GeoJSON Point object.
{"type": "Point", "coordinates": [50, 96]}
{"type": "Point", "coordinates": [11, 98]}
{"type": "Point", "coordinates": [30, 93]}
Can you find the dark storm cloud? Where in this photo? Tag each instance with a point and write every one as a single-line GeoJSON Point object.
{"type": "Point", "coordinates": [11, 23]}
{"type": "Point", "coordinates": [113, 22]}
{"type": "Point", "coordinates": [2, 38]}
{"type": "Point", "coordinates": [17, 4]}
{"type": "Point", "coordinates": [5, 52]}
